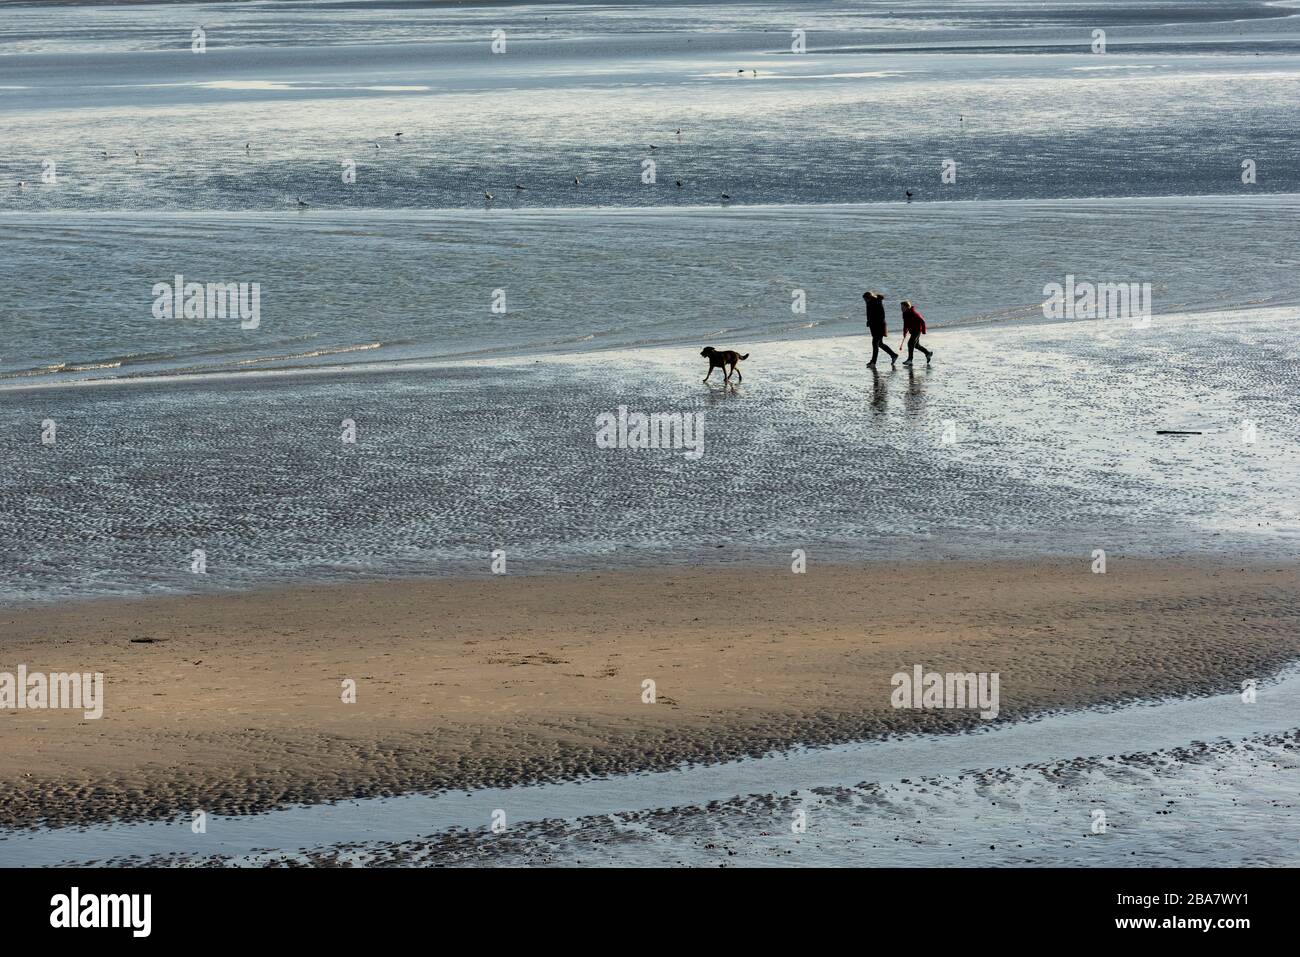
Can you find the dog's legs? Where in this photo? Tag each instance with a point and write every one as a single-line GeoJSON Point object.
{"type": "Point", "coordinates": [739, 377]}
{"type": "Point", "coordinates": [706, 378]}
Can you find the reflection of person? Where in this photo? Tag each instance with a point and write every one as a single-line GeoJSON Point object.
{"type": "Point", "coordinates": [913, 330]}
{"type": "Point", "coordinates": [876, 326]}
{"type": "Point", "coordinates": [879, 394]}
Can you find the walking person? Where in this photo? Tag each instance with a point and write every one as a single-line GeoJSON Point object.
{"type": "Point", "coordinates": [913, 330]}
{"type": "Point", "coordinates": [876, 326]}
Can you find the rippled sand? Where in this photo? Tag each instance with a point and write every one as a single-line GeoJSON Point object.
{"type": "Point", "coordinates": [235, 705]}
{"type": "Point", "coordinates": [949, 513]}
{"type": "Point", "coordinates": [812, 451]}
{"type": "Point", "coordinates": [1220, 805]}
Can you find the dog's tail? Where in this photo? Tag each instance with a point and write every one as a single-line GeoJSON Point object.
{"type": "Point", "coordinates": [745, 356]}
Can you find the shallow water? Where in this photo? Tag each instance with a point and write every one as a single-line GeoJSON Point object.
{"type": "Point", "coordinates": [475, 428]}
{"type": "Point", "coordinates": [453, 462]}
{"type": "Point", "coordinates": [380, 292]}
{"type": "Point", "coordinates": [1230, 772]}
{"type": "Point", "coordinates": [351, 287]}
{"type": "Point", "coordinates": [885, 94]}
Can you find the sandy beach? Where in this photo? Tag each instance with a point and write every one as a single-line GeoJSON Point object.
{"type": "Point", "coordinates": [317, 318]}
{"type": "Point", "coordinates": [232, 703]}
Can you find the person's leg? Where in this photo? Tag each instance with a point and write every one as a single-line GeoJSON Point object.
{"type": "Point", "coordinates": [888, 351]}
{"type": "Point", "coordinates": [875, 349]}
{"type": "Point", "coordinates": [911, 346]}
{"type": "Point", "coordinates": [927, 352]}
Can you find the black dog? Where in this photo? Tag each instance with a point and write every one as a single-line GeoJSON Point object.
{"type": "Point", "coordinates": [720, 360]}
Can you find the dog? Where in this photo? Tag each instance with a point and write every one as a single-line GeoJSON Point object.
{"type": "Point", "coordinates": [720, 360]}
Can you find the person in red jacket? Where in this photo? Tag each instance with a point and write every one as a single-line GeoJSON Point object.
{"type": "Point", "coordinates": [913, 330]}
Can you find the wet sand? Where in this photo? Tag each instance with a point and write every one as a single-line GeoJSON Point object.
{"type": "Point", "coordinates": [235, 705]}
{"type": "Point", "coordinates": [1171, 808]}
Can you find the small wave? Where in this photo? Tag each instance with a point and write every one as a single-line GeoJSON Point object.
{"type": "Point", "coordinates": [315, 353]}
{"type": "Point", "coordinates": [235, 365]}
{"type": "Point", "coordinates": [135, 359]}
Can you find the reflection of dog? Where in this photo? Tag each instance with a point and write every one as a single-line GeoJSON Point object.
{"type": "Point", "coordinates": [720, 360]}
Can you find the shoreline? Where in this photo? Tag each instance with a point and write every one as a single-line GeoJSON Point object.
{"type": "Point", "coordinates": [234, 707]}
{"type": "Point", "coordinates": [1252, 311]}
{"type": "Point", "coordinates": [278, 214]}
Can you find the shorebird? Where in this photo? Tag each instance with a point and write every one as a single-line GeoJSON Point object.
{"type": "Point", "coordinates": [488, 196]}
{"type": "Point", "coordinates": [577, 181]}
{"type": "Point", "coordinates": [104, 153]}
{"type": "Point", "coordinates": [21, 184]}
{"type": "Point", "coordinates": [909, 195]}
{"type": "Point", "coordinates": [679, 132]}
{"type": "Point", "coordinates": [301, 204]}
{"type": "Point", "coordinates": [376, 146]}
{"type": "Point", "coordinates": [517, 186]}
{"type": "Point", "coordinates": [398, 135]}
{"type": "Point", "coordinates": [653, 147]}
{"type": "Point", "coordinates": [679, 184]}
{"type": "Point", "coordinates": [247, 147]}
{"type": "Point", "coordinates": [725, 197]}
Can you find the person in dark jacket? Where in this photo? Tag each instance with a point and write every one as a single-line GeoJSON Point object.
{"type": "Point", "coordinates": [913, 330]}
{"type": "Point", "coordinates": [876, 326]}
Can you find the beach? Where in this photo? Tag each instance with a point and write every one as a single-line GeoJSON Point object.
{"type": "Point", "coordinates": [228, 481]}
{"type": "Point", "coordinates": [320, 442]}
{"type": "Point", "coordinates": [233, 704]}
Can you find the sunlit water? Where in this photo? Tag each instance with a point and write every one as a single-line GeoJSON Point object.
{"type": "Point", "coordinates": [813, 451]}
{"type": "Point", "coordinates": [473, 342]}
{"type": "Point", "coordinates": [140, 160]}
{"type": "Point", "coordinates": [285, 94]}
